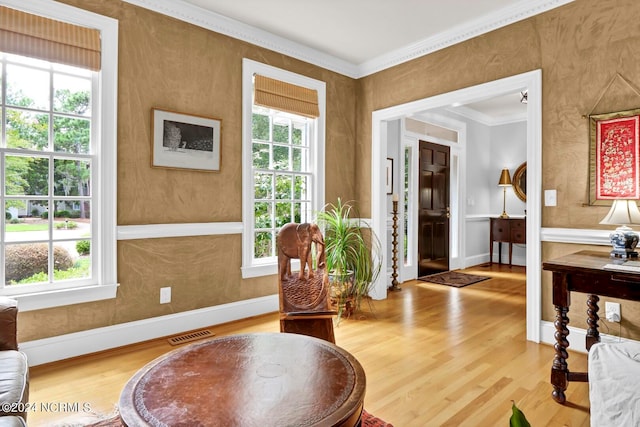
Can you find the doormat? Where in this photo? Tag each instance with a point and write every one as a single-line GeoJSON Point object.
{"type": "Point", "coordinates": [453, 278]}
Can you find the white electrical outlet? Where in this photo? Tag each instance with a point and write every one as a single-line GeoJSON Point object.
{"type": "Point", "coordinates": [612, 311]}
{"type": "Point", "coordinates": [165, 295]}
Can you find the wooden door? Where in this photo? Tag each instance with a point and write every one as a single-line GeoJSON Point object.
{"type": "Point", "coordinates": [433, 209]}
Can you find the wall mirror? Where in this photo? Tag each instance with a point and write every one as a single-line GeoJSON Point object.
{"type": "Point", "coordinates": [520, 182]}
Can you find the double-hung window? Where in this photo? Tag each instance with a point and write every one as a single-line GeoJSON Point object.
{"type": "Point", "coordinates": [283, 158]}
{"type": "Point", "coordinates": [57, 154]}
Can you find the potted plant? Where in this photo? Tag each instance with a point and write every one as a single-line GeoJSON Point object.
{"type": "Point", "coordinates": [352, 256]}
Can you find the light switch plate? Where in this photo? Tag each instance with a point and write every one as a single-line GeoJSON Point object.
{"type": "Point", "coordinates": [550, 198]}
{"type": "Point", "coordinates": [165, 295]}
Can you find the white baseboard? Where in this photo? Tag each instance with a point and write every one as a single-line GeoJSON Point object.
{"type": "Point", "coordinates": [61, 347]}
{"type": "Point", "coordinates": [476, 260]}
{"type": "Point", "coordinates": [484, 258]}
{"type": "Point", "coordinates": [576, 337]}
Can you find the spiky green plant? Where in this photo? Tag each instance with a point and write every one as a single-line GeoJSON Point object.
{"type": "Point", "coordinates": [351, 249]}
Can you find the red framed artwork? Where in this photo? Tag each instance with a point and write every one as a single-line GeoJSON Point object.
{"type": "Point", "coordinates": [614, 157]}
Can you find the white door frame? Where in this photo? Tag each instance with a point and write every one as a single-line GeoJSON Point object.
{"type": "Point", "coordinates": [530, 81]}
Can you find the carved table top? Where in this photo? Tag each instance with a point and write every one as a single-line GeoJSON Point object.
{"type": "Point", "coordinates": [263, 379]}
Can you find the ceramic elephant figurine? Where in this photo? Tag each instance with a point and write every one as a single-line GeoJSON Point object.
{"type": "Point", "coordinates": [294, 241]}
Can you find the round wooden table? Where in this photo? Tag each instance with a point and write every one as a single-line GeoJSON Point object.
{"type": "Point", "coordinates": [263, 379]}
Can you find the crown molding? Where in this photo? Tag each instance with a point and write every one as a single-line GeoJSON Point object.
{"type": "Point", "coordinates": [230, 27]}
{"type": "Point", "coordinates": [487, 119]}
{"type": "Point", "coordinates": [221, 24]}
{"type": "Point", "coordinates": [509, 15]}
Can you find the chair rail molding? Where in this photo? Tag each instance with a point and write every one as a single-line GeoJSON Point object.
{"type": "Point", "coordinates": [158, 231]}
{"type": "Point", "coordinates": [575, 235]}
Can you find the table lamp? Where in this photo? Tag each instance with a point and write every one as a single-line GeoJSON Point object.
{"type": "Point", "coordinates": [623, 238]}
{"type": "Point", "coordinates": [505, 181]}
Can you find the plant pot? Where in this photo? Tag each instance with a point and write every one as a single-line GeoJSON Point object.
{"type": "Point", "coordinates": [341, 298]}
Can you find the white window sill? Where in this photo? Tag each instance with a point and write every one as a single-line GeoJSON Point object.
{"type": "Point", "coordinates": [48, 299]}
{"type": "Point", "coordinates": [259, 270]}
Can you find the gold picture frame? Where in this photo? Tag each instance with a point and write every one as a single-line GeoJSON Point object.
{"type": "Point", "coordinates": [614, 157]}
{"type": "Point", "coordinates": [520, 182]}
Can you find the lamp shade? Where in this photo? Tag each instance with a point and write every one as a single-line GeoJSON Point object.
{"type": "Point", "coordinates": [505, 178]}
{"type": "Point", "coordinates": [622, 212]}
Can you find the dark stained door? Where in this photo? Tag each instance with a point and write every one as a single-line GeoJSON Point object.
{"type": "Point", "coordinates": [433, 209]}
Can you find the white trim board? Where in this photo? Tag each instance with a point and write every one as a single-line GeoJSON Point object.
{"type": "Point", "coordinates": [157, 231]}
{"type": "Point", "coordinates": [61, 347]}
{"type": "Point", "coordinates": [241, 31]}
{"type": "Point", "coordinates": [576, 336]}
{"type": "Point", "coordinates": [575, 235]}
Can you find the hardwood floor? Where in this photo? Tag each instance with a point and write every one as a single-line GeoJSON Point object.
{"type": "Point", "coordinates": [434, 356]}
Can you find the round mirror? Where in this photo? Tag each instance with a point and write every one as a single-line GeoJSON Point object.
{"type": "Point", "coordinates": [520, 182]}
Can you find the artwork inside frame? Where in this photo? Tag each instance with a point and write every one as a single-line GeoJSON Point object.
{"type": "Point", "coordinates": [389, 176]}
{"type": "Point", "coordinates": [183, 141]}
{"type": "Point", "coordinates": [614, 157]}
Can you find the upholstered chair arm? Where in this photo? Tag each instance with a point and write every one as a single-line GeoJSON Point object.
{"type": "Point", "coordinates": [8, 324]}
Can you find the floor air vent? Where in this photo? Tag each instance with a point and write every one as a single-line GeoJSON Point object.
{"type": "Point", "coordinates": [191, 336]}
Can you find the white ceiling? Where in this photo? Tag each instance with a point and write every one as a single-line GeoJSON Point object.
{"type": "Point", "coordinates": [494, 111]}
{"type": "Point", "coordinates": [357, 31]}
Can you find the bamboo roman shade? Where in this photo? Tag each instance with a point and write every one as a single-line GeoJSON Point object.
{"type": "Point", "coordinates": [25, 34]}
{"type": "Point", "coordinates": [285, 96]}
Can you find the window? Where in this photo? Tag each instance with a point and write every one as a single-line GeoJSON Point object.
{"type": "Point", "coordinates": [283, 158]}
{"type": "Point", "coordinates": [282, 176]}
{"type": "Point", "coordinates": [57, 154]}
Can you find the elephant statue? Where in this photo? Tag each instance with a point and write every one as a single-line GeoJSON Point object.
{"type": "Point", "coordinates": [294, 241]}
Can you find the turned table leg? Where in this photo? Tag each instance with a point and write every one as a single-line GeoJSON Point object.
{"type": "Point", "coordinates": [593, 335]}
{"type": "Point", "coordinates": [559, 369]}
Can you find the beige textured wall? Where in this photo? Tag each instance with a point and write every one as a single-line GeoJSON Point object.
{"type": "Point", "coordinates": [580, 48]}
{"type": "Point", "coordinates": [173, 65]}
{"type": "Point", "coordinates": [169, 64]}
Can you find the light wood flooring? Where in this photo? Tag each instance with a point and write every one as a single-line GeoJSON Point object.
{"type": "Point", "coordinates": [433, 355]}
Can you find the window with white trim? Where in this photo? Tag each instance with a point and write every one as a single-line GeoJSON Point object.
{"type": "Point", "coordinates": [57, 154]}
{"type": "Point", "coordinates": [283, 158]}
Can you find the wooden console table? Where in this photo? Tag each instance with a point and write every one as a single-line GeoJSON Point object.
{"type": "Point", "coordinates": [262, 379]}
{"type": "Point", "coordinates": [583, 272]}
{"type": "Point", "coordinates": [507, 230]}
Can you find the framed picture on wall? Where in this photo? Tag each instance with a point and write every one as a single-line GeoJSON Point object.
{"type": "Point", "coordinates": [389, 176]}
{"type": "Point", "coordinates": [614, 157]}
{"type": "Point", "coordinates": [182, 141]}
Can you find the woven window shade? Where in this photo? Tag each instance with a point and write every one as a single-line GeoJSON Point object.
{"type": "Point", "coordinates": [285, 96]}
{"type": "Point", "coordinates": [30, 35]}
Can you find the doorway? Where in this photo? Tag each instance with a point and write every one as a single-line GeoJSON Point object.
{"type": "Point", "coordinates": [433, 208]}
{"type": "Point", "coordinates": [530, 81]}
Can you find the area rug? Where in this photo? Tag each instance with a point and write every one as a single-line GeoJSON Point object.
{"type": "Point", "coordinates": [368, 420]}
{"type": "Point", "coordinates": [453, 278]}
